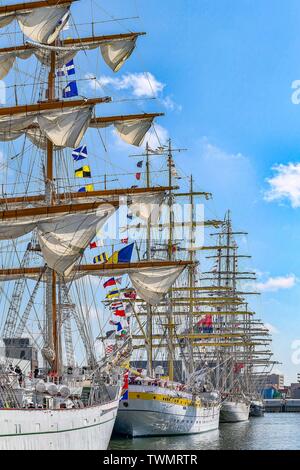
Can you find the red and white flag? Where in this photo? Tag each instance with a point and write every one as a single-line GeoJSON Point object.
{"type": "Point", "coordinates": [110, 348]}
{"type": "Point", "coordinates": [96, 244]}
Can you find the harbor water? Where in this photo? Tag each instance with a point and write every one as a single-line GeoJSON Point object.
{"type": "Point", "coordinates": [275, 431]}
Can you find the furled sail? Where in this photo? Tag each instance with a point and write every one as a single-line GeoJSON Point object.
{"type": "Point", "coordinates": [64, 240]}
{"type": "Point", "coordinates": [16, 229]}
{"type": "Point", "coordinates": [64, 127]}
{"type": "Point", "coordinates": [151, 283]}
{"type": "Point", "coordinates": [132, 131]}
{"type": "Point", "coordinates": [147, 206]}
{"type": "Point", "coordinates": [42, 24]}
{"type": "Point", "coordinates": [154, 283]}
{"type": "Point", "coordinates": [115, 53]}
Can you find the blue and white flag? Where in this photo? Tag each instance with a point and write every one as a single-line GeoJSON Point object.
{"type": "Point", "coordinates": [80, 153]}
{"type": "Point", "coordinates": [67, 69]}
{"type": "Point", "coordinates": [70, 90]}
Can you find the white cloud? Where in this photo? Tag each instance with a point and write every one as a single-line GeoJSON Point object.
{"type": "Point", "coordinates": [273, 284]}
{"type": "Point", "coordinates": [139, 85]}
{"type": "Point", "coordinates": [210, 151]}
{"type": "Point", "coordinates": [285, 184]}
{"type": "Point", "coordinates": [170, 104]}
{"type": "Point", "coordinates": [272, 329]}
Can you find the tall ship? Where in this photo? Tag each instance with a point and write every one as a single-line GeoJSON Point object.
{"type": "Point", "coordinates": [167, 393]}
{"type": "Point", "coordinates": [242, 350]}
{"type": "Point", "coordinates": [60, 384]}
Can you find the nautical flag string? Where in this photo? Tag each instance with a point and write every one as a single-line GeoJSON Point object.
{"type": "Point", "coordinates": [122, 256]}
{"type": "Point", "coordinates": [67, 69]}
{"type": "Point", "coordinates": [140, 164]}
{"type": "Point", "coordinates": [116, 306]}
{"type": "Point", "coordinates": [89, 188]}
{"type": "Point", "coordinates": [110, 349]}
{"type": "Point", "coordinates": [117, 324]}
{"type": "Point", "coordinates": [129, 294]}
{"type": "Point", "coordinates": [96, 244]}
{"type": "Point", "coordinates": [70, 90]}
{"type": "Point", "coordinates": [122, 332]}
{"type": "Point", "coordinates": [83, 172]}
{"type": "Point", "coordinates": [120, 313]}
{"type": "Point", "coordinates": [125, 241]}
{"type": "Point", "coordinates": [100, 258]}
{"type": "Point", "coordinates": [80, 153]}
{"type": "Point", "coordinates": [113, 294]}
{"type": "Point", "coordinates": [138, 176]}
{"type": "Point", "coordinates": [111, 282]}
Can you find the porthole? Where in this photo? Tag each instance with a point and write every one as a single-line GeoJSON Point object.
{"type": "Point", "coordinates": [125, 404]}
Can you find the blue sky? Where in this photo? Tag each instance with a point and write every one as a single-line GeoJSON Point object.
{"type": "Point", "coordinates": [222, 71]}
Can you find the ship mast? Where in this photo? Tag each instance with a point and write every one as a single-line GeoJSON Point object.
{"type": "Point", "coordinates": [170, 325]}
{"type": "Point", "coordinates": [149, 331]}
{"type": "Point", "coordinates": [51, 308]}
{"type": "Point", "coordinates": [191, 274]}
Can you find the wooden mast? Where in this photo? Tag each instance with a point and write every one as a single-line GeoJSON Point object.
{"type": "Point", "coordinates": [50, 197]}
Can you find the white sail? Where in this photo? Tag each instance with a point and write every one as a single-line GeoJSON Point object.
{"type": "Point", "coordinates": [64, 127]}
{"type": "Point", "coordinates": [42, 24]}
{"type": "Point", "coordinates": [150, 283]}
{"type": "Point", "coordinates": [147, 206]}
{"type": "Point", "coordinates": [132, 131]}
{"type": "Point", "coordinates": [8, 59]}
{"type": "Point", "coordinates": [62, 238]}
{"type": "Point", "coordinates": [63, 241]}
{"type": "Point", "coordinates": [154, 283]}
{"type": "Point", "coordinates": [116, 52]}
{"type": "Point", "coordinates": [16, 229]}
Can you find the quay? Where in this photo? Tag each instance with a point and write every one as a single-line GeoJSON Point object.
{"type": "Point", "coordinates": [282, 405]}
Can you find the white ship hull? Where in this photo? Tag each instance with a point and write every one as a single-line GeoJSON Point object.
{"type": "Point", "coordinates": [162, 416]}
{"type": "Point", "coordinates": [72, 429]}
{"type": "Point", "coordinates": [234, 412]}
